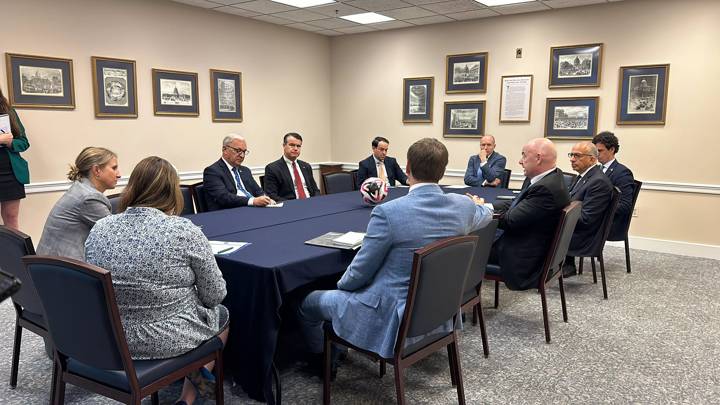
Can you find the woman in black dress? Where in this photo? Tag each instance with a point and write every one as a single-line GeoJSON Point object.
{"type": "Point", "coordinates": [14, 172]}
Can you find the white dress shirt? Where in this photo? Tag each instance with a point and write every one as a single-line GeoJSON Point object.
{"type": "Point", "coordinates": [289, 164]}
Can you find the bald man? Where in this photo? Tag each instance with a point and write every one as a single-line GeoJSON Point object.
{"type": "Point", "coordinates": [594, 189]}
{"type": "Point", "coordinates": [529, 221]}
{"type": "Point", "coordinates": [485, 168]}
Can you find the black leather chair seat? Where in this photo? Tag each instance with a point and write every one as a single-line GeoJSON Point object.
{"type": "Point", "coordinates": [493, 270]}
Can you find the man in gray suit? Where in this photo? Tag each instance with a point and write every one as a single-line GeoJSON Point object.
{"type": "Point", "coordinates": [368, 305]}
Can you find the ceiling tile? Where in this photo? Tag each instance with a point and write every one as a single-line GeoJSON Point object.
{"type": "Point", "coordinates": [304, 27]}
{"type": "Point", "coordinates": [331, 23]}
{"type": "Point", "coordinates": [408, 13]}
{"type": "Point", "coordinates": [388, 25]}
{"type": "Point", "coordinates": [378, 5]}
{"type": "Point", "coordinates": [273, 19]}
{"type": "Point", "coordinates": [571, 3]}
{"type": "Point", "coordinates": [329, 33]}
{"type": "Point", "coordinates": [470, 15]}
{"type": "Point", "coordinates": [199, 3]}
{"type": "Point", "coordinates": [341, 8]}
{"type": "Point", "coordinates": [436, 19]}
{"type": "Point", "coordinates": [422, 2]}
{"type": "Point", "coordinates": [521, 8]}
{"type": "Point", "coordinates": [356, 30]}
{"type": "Point", "coordinates": [236, 11]}
{"type": "Point", "coordinates": [229, 2]}
{"type": "Point", "coordinates": [300, 15]}
{"type": "Point", "coordinates": [454, 6]}
{"type": "Point", "coordinates": [265, 7]}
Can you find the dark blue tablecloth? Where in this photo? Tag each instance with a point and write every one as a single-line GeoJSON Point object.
{"type": "Point", "coordinates": [278, 261]}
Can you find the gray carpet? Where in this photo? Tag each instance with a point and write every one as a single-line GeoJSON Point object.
{"type": "Point", "coordinates": [656, 340]}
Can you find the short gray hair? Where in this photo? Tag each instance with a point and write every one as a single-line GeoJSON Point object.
{"type": "Point", "coordinates": [231, 137]}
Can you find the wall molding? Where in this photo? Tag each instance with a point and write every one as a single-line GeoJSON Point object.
{"type": "Point", "coordinates": [671, 246]}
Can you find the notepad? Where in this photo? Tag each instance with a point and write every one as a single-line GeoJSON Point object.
{"type": "Point", "coordinates": [276, 205]}
{"type": "Point", "coordinates": [5, 124]}
{"type": "Point", "coordinates": [456, 186]}
{"type": "Point", "coordinates": [225, 248]}
{"type": "Point", "coordinates": [339, 240]}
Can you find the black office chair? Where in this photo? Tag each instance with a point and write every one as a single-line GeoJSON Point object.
{"type": "Point", "coordinates": [262, 182]}
{"type": "Point", "coordinates": [636, 192]}
{"type": "Point", "coordinates": [569, 178]}
{"type": "Point", "coordinates": [354, 176]}
{"type": "Point", "coordinates": [434, 297]}
{"type": "Point", "coordinates": [596, 250]}
{"type": "Point", "coordinates": [187, 193]}
{"type": "Point", "coordinates": [471, 297]}
{"type": "Point", "coordinates": [338, 182]}
{"type": "Point", "coordinates": [505, 178]}
{"type": "Point", "coordinates": [28, 309]}
{"type": "Point", "coordinates": [552, 267]}
{"type": "Point", "coordinates": [198, 191]}
{"type": "Point", "coordinates": [114, 202]}
{"type": "Point", "coordinates": [90, 346]}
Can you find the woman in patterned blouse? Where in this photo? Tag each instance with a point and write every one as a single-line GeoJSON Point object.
{"type": "Point", "coordinates": [166, 280]}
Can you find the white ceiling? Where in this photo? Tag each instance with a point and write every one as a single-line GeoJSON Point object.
{"type": "Point", "coordinates": [407, 13]}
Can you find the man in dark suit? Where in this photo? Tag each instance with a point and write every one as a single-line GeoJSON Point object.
{"type": "Point", "coordinates": [379, 164]}
{"type": "Point", "coordinates": [621, 177]}
{"type": "Point", "coordinates": [227, 183]}
{"type": "Point", "coordinates": [594, 190]}
{"type": "Point", "coordinates": [528, 222]}
{"type": "Point", "coordinates": [487, 167]}
{"type": "Point", "coordinates": [289, 178]}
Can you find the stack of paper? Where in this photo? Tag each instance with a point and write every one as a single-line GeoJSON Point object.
{"type": "Point", "coordinates": [348, 240]}
{"type": "Point", "coordinates": [225, 248]}
{"type": "Point", "coordinates": [4, 124]}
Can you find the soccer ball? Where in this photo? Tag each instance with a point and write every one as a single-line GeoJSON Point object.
{"type": "Point", "coordinates": [373, 190]}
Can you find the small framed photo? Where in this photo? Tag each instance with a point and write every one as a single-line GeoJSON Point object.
{"type": "Point", "coordinates": [418, 99]}
{"type": "Point", "coordinates": [466, 73]}
{"type": "Point", "coordinates": [114, 88]}
{"type": "Point", "coordinates": [571, 117]}
{"type": "Point", "coordinates": [175, 93]}
{"type": "Point", "coordinates": [642, 94]}
{"type": "Point", "coordinates": [575, 66]}
{"type": "Point", "coordinates": [226, 94]}
{"type": "Point", "coordinates": [515, 98]}
{"type": "Point", "coordinates": [40, 81]}
{"type": "Point", "coordinates": [464, 119]}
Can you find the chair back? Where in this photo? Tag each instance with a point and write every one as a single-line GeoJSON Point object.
{"type": "Point", "coordinates": [436, 285]}
{"type": "Point", "coordinates": [114, 202]}
{"type": "Point", "coordinates": [569, 178]}
{"type": "Point", "coordinates": [262, 181]}
{"type": "Point", "coordinates": [13, 246]}
{"type": "Point", "coordinates": [486, 236]}
{"type": "Point", "coordinates": [187, 194]}
{"type": "Point", "coordinates": [636, 193]}
{"type": "Point", "coordinates": [81, 312]}
{"type": "Point", "coordinates": [606, 224]}
{"type": "Point", "coordinates": [354, 177]}
{"type": "Point", "coordinates": [561, 242]}
{"type": "Point", "coordinates": [505, 178]}
{"type": "Point", "coordinates": [198, 191]}
{"type": "Point", "coordinates": [338, 182]}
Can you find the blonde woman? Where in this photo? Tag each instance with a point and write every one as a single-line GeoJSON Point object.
{"type": "Point", "coordinates": [69, 223]}
{"type": "Point", "coordinates": [167, 283]}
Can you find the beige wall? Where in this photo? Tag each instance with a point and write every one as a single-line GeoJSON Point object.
{"type": "Point", "coordinates": [285, 84]}
{"type": "Point", "coordinates": [367, 72]}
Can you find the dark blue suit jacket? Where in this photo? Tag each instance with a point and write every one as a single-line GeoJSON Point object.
{"type": "Point", "coordinates": [622, 178]}
{"type": "Point", "coordinates": [279, 184]}
{"type": "Point", "coordinates": [594, 190]}
{"type": "Point", "coordinates": [492, 169]}
{"type": "Point", "coordinates": [220, 189]}
{"type": "Point", "coordinates": [367, 168]}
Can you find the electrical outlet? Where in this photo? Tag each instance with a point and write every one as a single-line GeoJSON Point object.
{"type": "Point", "coordinates": [636, 212]}
{"type": "Point", "coordinates": [518, 53]}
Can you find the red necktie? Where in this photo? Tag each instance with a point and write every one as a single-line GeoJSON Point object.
{"type": "Point", "coordinates": [298, 183]}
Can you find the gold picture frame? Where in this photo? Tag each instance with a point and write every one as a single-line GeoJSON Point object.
{"type": "Point", "coordinates": [116, 81]}
{"type": "Point", "coordinates": [231, 108]}
{"type": "Point", "coordinates": [40, 81]}
{"type": "Point", "coordinates": [175, 93]}
{"type": "Point", "coordinates": [466, 73]}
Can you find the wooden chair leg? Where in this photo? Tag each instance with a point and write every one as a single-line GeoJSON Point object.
{"type": "Point", "coordinates": [453, 348]}
{"type": "Point", "coordinates": [592, 262]}
{"type": "Point", "coordinates": [451, 361]}
{"type": "Point", "coordinates": [219, 377]}
{"type": "Point", "coordinates": [483, 331]}
{"type": "Point", "coordinates": [580, 266]}
{"type": "Point", "coordinates": [59, 398]}
{"type": "Point", "coordinates": [497, 293]}
{"type": "Point", "coordinates": [545, 315]}
{"type": "Point", "coordinates": [562, 298]}
{"type": "Point", "coordinates": [155, 398]}
{"type": "Point", "coordinates": [602, 275]}
{"type": "Point", "coordinates": [399, 383]}
{"type": "Point", "coordinates": [327, 369]}
{"type": "Point", "coordinates": [474, 315]}
{"type": "Point", "coordinates": [627, 253]}
{"type": "Point", "coordinates": [15, 355]}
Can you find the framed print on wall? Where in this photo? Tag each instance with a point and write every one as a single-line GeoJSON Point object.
{"type": "Point", "coordinates": [466, 73]}
{"type": "Point", "coordinates": [40, 81]}
{"type": "Point", "coordinates": [571, 117]}
{"type": "Point", "coordinates": [417, 99]}
{"type": "Point", "coordinates": [175, 93]}
{"type": "Point", "coordinates": [515, 98]}
{"type": "Point", "coordinates": [464, 119]}
{"type": "Point", "coordinates": [114, 87]}
{"type": "Point", "coordinates": [226, 95]}
{"type": "Point", "coordinates": [642, 94]}
{"type": "Point", "coordinates": [575, 66]}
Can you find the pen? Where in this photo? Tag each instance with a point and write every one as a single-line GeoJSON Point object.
{"type": "Point", "coordinates": [225, 250]}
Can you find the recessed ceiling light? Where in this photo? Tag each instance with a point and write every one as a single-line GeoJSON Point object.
{"type": "Point", "coordinates": [492, 3]}
{"type": "Point", "coordinates": [304, 3]}
{"type": "Point", "coordinates": [367, 18]}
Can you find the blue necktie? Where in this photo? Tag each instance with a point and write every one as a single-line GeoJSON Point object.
{"type": "Point", "coordinates": [239, 184]}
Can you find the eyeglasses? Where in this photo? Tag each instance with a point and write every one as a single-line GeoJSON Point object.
{"type": "Point", "coordinates": [577, 155]}
{"type": "Point", "coordinates": [239, 151]}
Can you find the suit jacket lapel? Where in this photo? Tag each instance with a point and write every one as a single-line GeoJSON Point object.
{"type": "Point", "coordinates": [229, 177]}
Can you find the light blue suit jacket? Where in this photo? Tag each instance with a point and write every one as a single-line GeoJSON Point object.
{"type": "Point", "coordinates": [372, 291]}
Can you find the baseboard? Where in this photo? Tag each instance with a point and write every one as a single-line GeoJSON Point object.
{"type": "Point", "coordinates": [672, 246]}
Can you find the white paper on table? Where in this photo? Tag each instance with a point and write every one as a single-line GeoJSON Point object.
{"type": "Point", "coordinates": [457, 186]}
{"type": "Point", "coordinates": [276, 205]}
{"type": "Point", "coordinates": [225, 248]}
{"type": "Point", "coordinates": [5, 124]}
{"type": "Point", "coordinates": [350, 238]}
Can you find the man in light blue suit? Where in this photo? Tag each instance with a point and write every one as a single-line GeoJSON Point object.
{"type": "Point", "coordinates": [369, 303]}
{"type": "Point", "coordinates": [487, 167]}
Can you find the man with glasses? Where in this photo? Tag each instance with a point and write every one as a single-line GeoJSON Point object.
{"type": "Point", "coordinates": [487, 167]}
{"type": "Point", "coordinates": [290, 178]}
{"type": "Point", "coordinates": [594, 189]}
{"type": "Point", "coordinates": [227, 183]}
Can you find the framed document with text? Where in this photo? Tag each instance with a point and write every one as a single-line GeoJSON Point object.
{"type": "Point", "coordinates": [515, 98]}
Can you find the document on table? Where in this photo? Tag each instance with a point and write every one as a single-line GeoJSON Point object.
{"type": "Point", "coordinates": [225, 248]}
{"type": "Point", "coordinates": [457, 186]}
{"type": "Point", "coordinates": [347, 240]}
{"type": "Point", "coordinates": [276, 205]}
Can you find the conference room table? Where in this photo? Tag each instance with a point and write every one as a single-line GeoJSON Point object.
{"type": "Point", "coordinates": [276, 262]}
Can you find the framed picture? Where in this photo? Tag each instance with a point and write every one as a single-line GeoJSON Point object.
{"type": "Point", "coordinates": [575, 66]}
{"type": "Point", "coordinates": [40, 81]}
{"type": "Point", "coordinates": [114, 87]}
{"type": "Point", "coordinates": [515, 98]}
{"type": "Point", "coordinates": [226, 94]}
{"type": "Point", "coordinates": [571, 117]}
{"type": "Point", "coordinates": [418, 99]}
{"type": "Point", "coordinates": [175, 93]}
{"type": "Point", "coordinates": [464, 119]}
{"type": "Point", "coordinates": [642, 94]}
{"type": "Point", "coordinates": [466, 73]}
